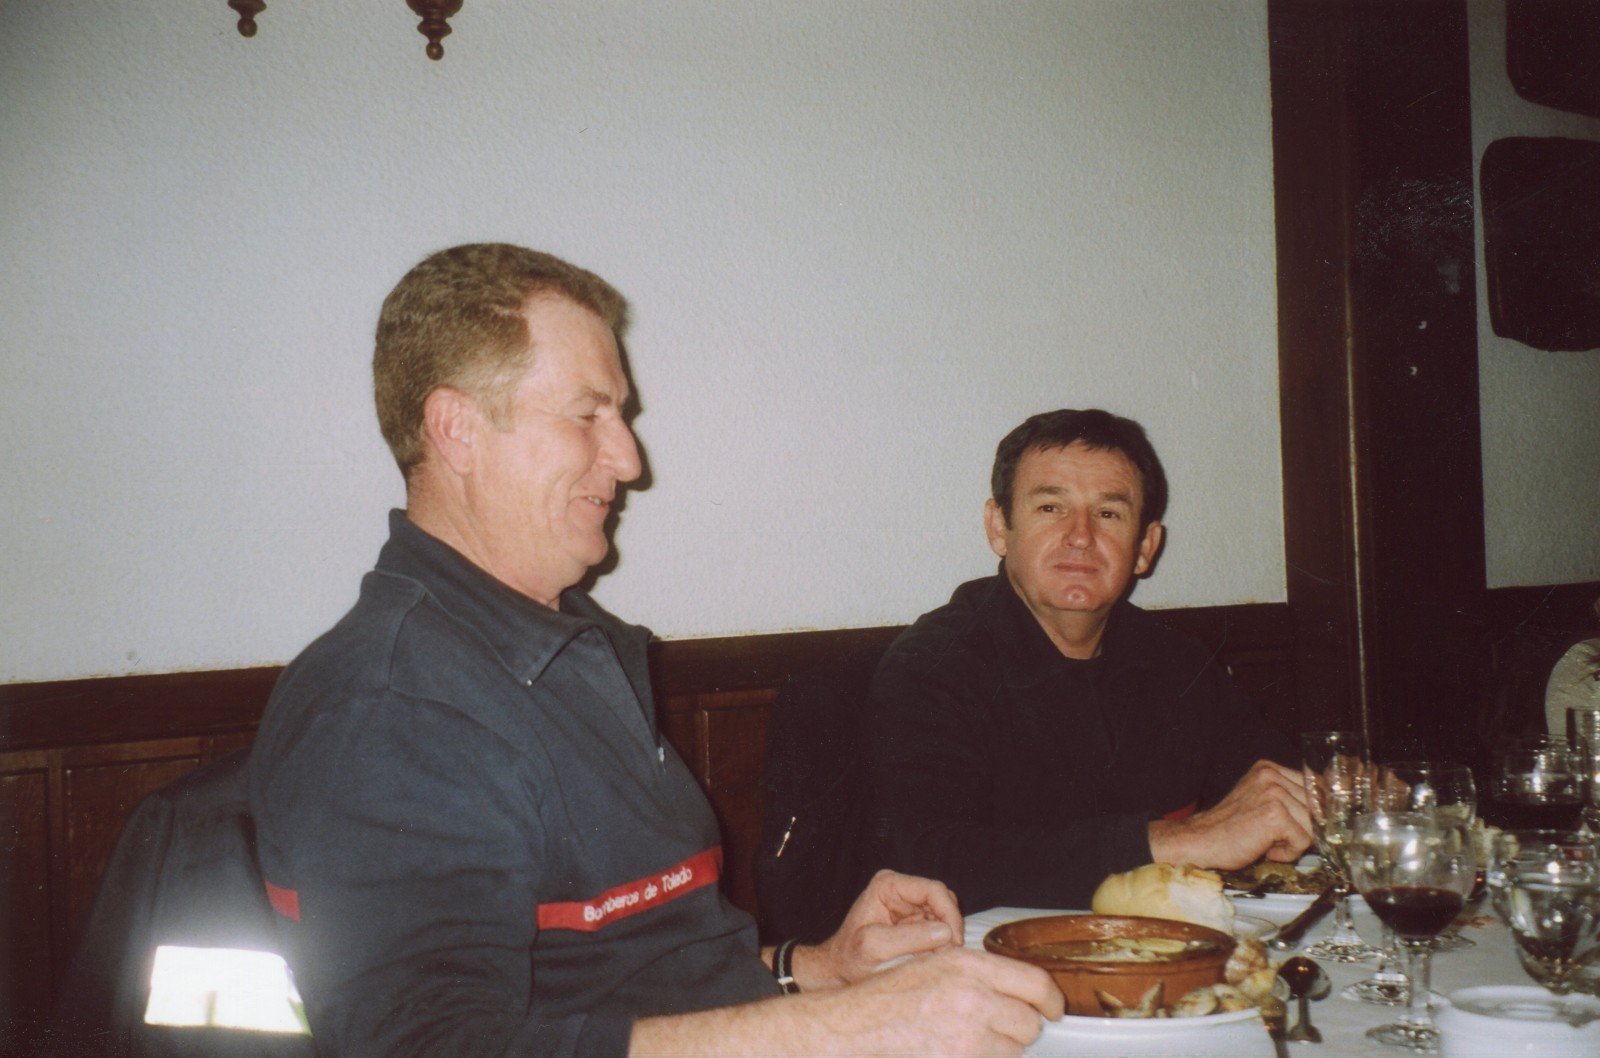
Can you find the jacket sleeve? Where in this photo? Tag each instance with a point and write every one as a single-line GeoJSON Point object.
{"type": "Point", "coordinates": [403, 844]}
{"type": "Point", "coordinates": [932, 783]}
{"type": "Point", "coordinates": [1245, 737]}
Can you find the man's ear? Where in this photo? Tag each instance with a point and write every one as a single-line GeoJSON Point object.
{"type": "Point", "coordinates": [450, 421]}
{"type": "Point", "coordinates": [994, 527]}
{"type": "Point", "coordinates": [1149, 548]}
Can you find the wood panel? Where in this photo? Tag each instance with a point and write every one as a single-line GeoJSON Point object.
{"type": "Point", "coordinates": [1383, 500]}
{"type": "Point", "coordinates": [76, 756]}
{"type": "Point", "coordinates": [1313, 219]}
{"type": "Point", "coordinates": [26, 981]}
{"type": "Point", "coordinates": [722, 735]}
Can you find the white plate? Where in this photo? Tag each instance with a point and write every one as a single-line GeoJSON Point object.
{"type": "Point", "coordinates": [1512, 1021]}
{"type": "Point", "coordinates": [1254, 927]}
{"type": "Point", "coordinates": [1239, 1034]}
{"type": "Point", "coordinates": [1277, 907]}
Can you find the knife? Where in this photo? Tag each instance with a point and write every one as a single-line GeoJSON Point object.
{"type": "Point", "coordinates": [1289, 936]}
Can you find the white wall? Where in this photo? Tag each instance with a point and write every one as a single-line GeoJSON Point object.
{"type": "Point", "coordinates": [862, 239]}
{"type": "Point", "coordinates": [1541, 410]}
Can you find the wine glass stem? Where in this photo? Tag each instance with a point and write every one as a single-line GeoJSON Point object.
{"type": "Point", "coordinates": [1391, 964]}
{"type": "Point", "coordinates": [1418, 970]}
{"type": "Point", "coordinates": [1344, 923]}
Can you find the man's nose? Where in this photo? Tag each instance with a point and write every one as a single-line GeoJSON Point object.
{"type": "Point", "coordinates": [621, 453]}
{"type": "Point", "coordinates": [1078, 530]}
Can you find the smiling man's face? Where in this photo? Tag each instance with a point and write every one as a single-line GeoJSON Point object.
{"type": "Point", "coordinates": [543, 481]}
{"type": "Point", "coordinates": [1072, 543]}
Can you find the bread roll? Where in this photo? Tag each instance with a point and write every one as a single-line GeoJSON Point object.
{"type": "Point", "coordinates": [1162, 890]}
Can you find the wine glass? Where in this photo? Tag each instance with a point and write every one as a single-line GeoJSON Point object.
{"type": "Point", "coordinates": [1427, 786]}
{"type": "Point", "coordinates": [1415, 786]}
{"type": "Point", "coordinates": [1338, 777]}
{"type": "Point", "coordinates": [1583, 732]}
{"type": "Point", "coordinates": [1415, 870]}
{"type": "Point", "coordinates": [1552, 904]}
{"type": "Point", "coordinates": [1435, 786]}
{"type": "Point", "coordinates": [1537, 785]}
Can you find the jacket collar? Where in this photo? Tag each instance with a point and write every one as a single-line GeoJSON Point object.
{"type": "Point", "coordinates": [1027, 653]}
{"type": "Point", "coordinates": [523, 634]}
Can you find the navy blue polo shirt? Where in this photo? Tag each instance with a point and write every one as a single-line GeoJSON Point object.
{"type": "Point", "coordinates": [475, 837]}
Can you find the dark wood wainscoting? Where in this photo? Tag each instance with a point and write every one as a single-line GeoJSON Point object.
{"type": "Point", "coordinates": [76, 756]}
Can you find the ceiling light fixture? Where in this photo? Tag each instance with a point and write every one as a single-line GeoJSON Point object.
{"type": "Point", "coordinates": [435, 15]}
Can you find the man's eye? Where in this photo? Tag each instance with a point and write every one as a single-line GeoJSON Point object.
{"type": "Point", "coordinates": [1047, 508]}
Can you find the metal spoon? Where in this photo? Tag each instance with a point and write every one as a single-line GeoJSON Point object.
{"type": "Point", "coordinates": [1306, 981]}
{"type": "Point", "coordinates": [1273, 1015]}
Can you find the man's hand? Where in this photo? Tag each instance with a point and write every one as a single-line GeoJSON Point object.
{"type": "Point", "coordinates": [897, 914]}
{"type": "Point", "coordinates": [1266, 813]}
{"type": "Point", "coordinates": [953, 1002]}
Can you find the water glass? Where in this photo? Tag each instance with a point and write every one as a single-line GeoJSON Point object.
{"type": "Point", "coordinates": [1338, 776]}
{"type": "Point", "coordinates": [1553, 909]}
{"type": "Point", "coordinates": [1535, 850]}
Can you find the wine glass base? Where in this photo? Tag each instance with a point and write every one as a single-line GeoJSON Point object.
{"type": "Point", "coordinates": [1451, 942]}
{"type": "Point", "coordinates": [1393, 992]}
{"type": "Point", "coordinates": [1339, 950]}
{"type": "Point", "coordinates": [1418, 1039]}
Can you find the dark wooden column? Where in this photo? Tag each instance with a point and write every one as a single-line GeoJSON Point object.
{"type": "Point", "coordinates": [1378, 359]}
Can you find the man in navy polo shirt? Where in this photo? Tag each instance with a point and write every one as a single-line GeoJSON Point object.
{"type": "Point", "coordinates": [475, 838]}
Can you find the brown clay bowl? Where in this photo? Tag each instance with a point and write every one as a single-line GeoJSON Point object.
{"type": "Point", "coordinates": [1128, 981]}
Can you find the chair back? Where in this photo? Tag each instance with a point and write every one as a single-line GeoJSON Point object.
{"type": "Point", "coordinates": [183, 873]}
{"type": "Point", "coordinates": [819, 843]}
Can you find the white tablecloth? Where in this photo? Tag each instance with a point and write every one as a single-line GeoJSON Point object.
{"type": "Point", "coordinates": [1343, 1022]}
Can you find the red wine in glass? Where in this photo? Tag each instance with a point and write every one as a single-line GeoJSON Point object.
{"type": "Point", "coordinates": [1536, 812]}
{"type": "Point", "coordinates": [1416, 912]}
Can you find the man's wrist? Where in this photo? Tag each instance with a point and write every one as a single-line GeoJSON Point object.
{"type": "Point", "coordinates": [783, 967]}
{"type": "Point", "coordinates": [814, 969]}
{"type": "Point", "coordinates": [1167, 843]}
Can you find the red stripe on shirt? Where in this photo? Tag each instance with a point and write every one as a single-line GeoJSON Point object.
{"type": "Point", "coordinates": [285, 902]}
{"type": "Point", "coordinates": [630, 898]}
{"type": "Point", "coordinates": [1182, 813]}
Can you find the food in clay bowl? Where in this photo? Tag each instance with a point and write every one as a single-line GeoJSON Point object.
{"type": "Point", "coordinates": [1130, 966]}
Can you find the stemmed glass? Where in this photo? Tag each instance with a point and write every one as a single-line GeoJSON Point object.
{"type": "Point", "coordinates": [1436, 786]}
{"type": "Point", "coordinates": [1546, 886]}
{"type": "Point", "coordinates": [1537, 784]}
{"type": "Point", "coordinates": [1415, 786]}
{"type": "Point", "coordinates": [1415, 870]}
{"type": "Point", "coordinates": [1337, 771]}
{"type": "Point", "coordinates": [1510, 850]}
{"type": "Point", "coordinates": [1583, 731]}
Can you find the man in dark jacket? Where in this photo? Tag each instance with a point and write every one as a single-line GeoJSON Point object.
{"type": "Point", "coordinates": [1039, 732]}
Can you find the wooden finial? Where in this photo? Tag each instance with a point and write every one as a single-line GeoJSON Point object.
{"type": "Point", "coordinates": [248, 10]}
{"type": "Point", "coordinates": [433, 25]}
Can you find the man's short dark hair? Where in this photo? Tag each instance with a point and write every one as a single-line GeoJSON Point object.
{"type": "Point", "coordinates": [1092, 427]}
{"type": "Point", "coordinates": [456, 319]}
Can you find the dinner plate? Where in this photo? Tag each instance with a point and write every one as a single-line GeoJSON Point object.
{"type": "Point", "coordinates": [1238, 1034]}
{"type": "Point", "coordinates": [1277, 908]}
{"type": "Point", "coordinates": [1254, 927]}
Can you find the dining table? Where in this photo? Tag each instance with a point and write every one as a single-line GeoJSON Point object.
{"type": "Point", "coordinates": [1490, 959]}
